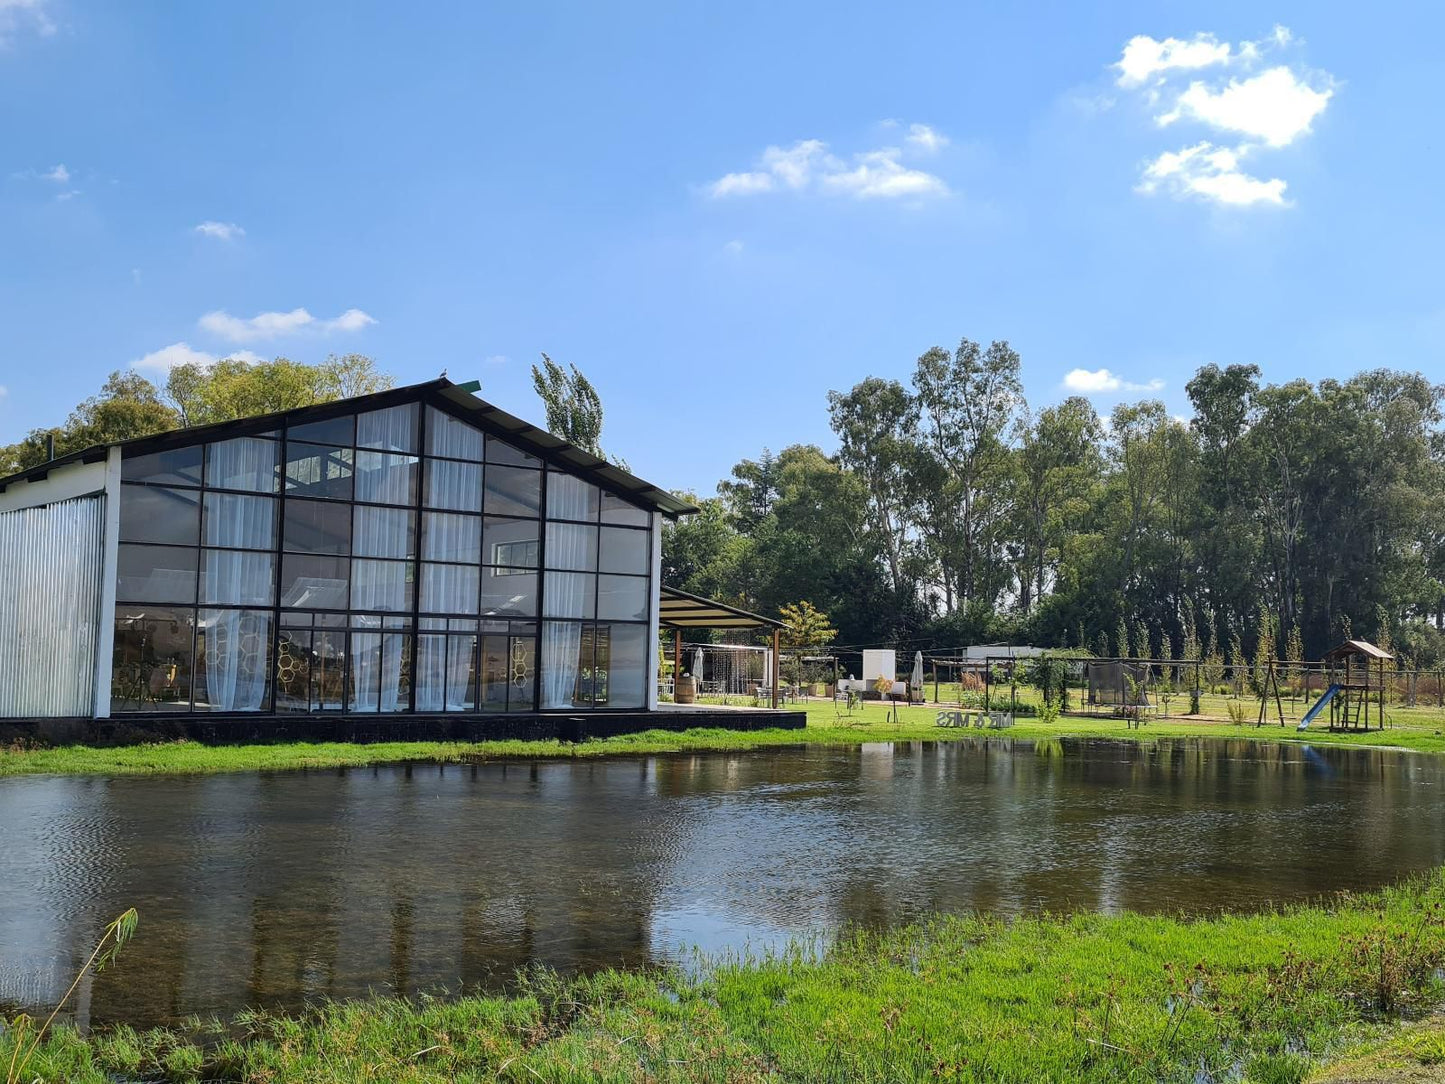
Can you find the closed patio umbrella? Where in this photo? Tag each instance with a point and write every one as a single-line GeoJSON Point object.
{"type": "Point", "coordinates": [915, 681]}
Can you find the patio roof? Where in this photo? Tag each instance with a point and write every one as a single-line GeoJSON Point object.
{"type": "Point", "coordinates": [681, 610]}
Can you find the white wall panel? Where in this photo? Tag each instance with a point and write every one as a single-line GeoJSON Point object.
{"type": "Point", "coordinates": [51, 568]}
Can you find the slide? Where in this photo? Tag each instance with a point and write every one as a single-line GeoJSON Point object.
{"type": "Point", "coordinates": [1318, 707]}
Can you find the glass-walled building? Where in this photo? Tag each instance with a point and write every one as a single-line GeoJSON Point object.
{"type": "Point", "coordinates": [416, 551]}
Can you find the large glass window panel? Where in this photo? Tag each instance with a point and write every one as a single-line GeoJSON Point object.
{"type": "Point", "coordinates": [449, 589]}
{"type": "Point", "coordinates": [512, 491]}
{"type": "Point", "coordinates": [156, 574]}
{"type": "Point", "coordinates": [151, 666]}
{"type": "Point", "coordinates": [155, 514]}
{"type": "Point", "coordinates": [247, 463]}
{"type": "Point", "coordinates": [624, 550]}
{"type": "Point", "coordinates": [314, 470]}
{"type": "Point", "coordinates": [233, 660]}
{"type": "Point", "coordinates": [446, 673]}
{"type": "Point", "coordinates": [311, 670]}
{"type": "Point", "coordinates": [457, 486]}
{"type": "Point", "coordinates": [569, 497]}
{"type": "Point", "coordinates": [380, 671]}
{"type": "Point", "coordinates": [508, 592]}
{"type": "Point", "coordinates": [384, 532]}
{"type": "Point", "coordinates": [240, 521]}
{"type": "Point", "coordinates": [332, 431]}
{"type": "Point", "coordinates": [316, 527]}
{"type": "Point", "coordinates": [237, 578]}
{"type": "Point", "coordinates": [390, 430]}
{"type": "Point", "coordinates": [451, 437]}
{"type": "Point", "coordinates": [569, 594]}
{"type": "Point", "coordinates": [511, 542]}
{"type": "Point", "coordinates": [616, 510]}
{"type": "Point", "coordinates": [499, 451]}
{"type": "Point", "coordinates": [620, 666]}
{"type": "Point", "coordinates": [622, 598]}
{"type": "Point", "coordinates": [571, 546]}
{"type": "Point", "coordinates": [381, 585]}
{"type": "Point", "coordinates": [566, 664]}
{"type": "Point", "coordinates": [495, 673]}
{"type": "Point", "coordinates": [522, 670]}
{"type": "Point", "coordinates": [178, 466]}
{"type": "Point", "coordinates": [314, 582]}
{"type": "Point", "coordinates": [383, 478]}
{"type": "Point", "coordinates": [448, 536]}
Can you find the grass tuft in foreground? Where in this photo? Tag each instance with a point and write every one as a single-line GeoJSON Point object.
{"type": "Point", "coordinates": [1267, 998]}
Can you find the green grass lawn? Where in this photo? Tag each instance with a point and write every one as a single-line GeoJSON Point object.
{"type": "Point", "coordinates": [1421, 729]}
{"type": "Point", "coordinates": [1268, 998]}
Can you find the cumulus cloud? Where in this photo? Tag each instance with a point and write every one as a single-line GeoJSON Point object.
{"type": "Point", "coordinates": [1255, 112]}
{"type": "Point", "coordinates": [1145, 58]}
{"type": "Point", "coordinates": [221, 231]}
{"type": "Point", "coordinates": [168, 357]}
{"type": "Point", "coordinates": [1276, 106]}
{"type": "Point", "coordinates": [1211, 173]}
{"type": "Point", "coordinates": [274, 325]}
{"type": "Point", "coordinates": [926, 139]}
{"type": "Point", "coordinates": [808, 166]}
{"type": "Point", "coordinates": [1098, 381]}
{"type": "Point", "coordinates": [57, 173]}
{"type": "Point", "coordinates": [733, 248]}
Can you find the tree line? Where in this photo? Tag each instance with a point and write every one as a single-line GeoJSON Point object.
{"type": "Point", "coordinates": [1276, 516]}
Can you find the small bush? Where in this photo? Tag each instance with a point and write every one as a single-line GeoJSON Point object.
{"type": "Point", "coordinates": [1237, 712]}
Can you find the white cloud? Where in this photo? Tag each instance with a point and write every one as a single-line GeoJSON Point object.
{"type": "Point", "coordinates": [879, 174]}
{"type": "Point", "coordinates": [1097, 381]}
{"type": "Point", "coordinates": [273, 325]}
{"type": "Point", "coordinates": [496, 359]}
{"type": "Point", "coordinates": [808, 166]}
{"type": "Point", "coordinates": [741, 184]}
{"type": "Point", "coordinates": [1255, 113]}
{"type": "Point", "coordinates": [16, 15]}
{"type": "Point", "coordinates": [1276, 106]}
{"type": "Point", "coordinates": [925, 138]}
{"type": "Point", "coordinates": [733, 248]}
{"type": "Point", "coordinates": [70, 195]}
{"type": "Point", "coordinates": [221, 231]}
{"type": "Point", "coordinates": [4, 391]}
{"type": "Point", "coordinates": [57, 173]}
{"type": "Point", "coordinates": [168, 357]}
{"type": "Point", "coordinates": [1212, 173]}
{"type": "Point", "coordinates": [1144, 57]}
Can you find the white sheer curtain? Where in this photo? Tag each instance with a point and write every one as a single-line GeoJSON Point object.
{"type": "Point", "coordinates": [443, 671]}
{"type": "Point", "coordinates": [390, 430]}
{"type": "Point", "coordinates": [238, 642]}
{"type": "Point", "coordinates": [567, 498]}
{"type": "Point", "coordinates": [455, 439]}
{"type": "Point", "coordinates": [377, 662]}
{"type": "Point", "coordinates": [247, 463]}
{"type": "Point", "coordinates": [457, 486]}
{"type": "Point", "coordinates": [238, 653]}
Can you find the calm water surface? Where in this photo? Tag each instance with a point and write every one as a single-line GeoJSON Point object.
{"type": "Point", "coordinates": [277, 888]}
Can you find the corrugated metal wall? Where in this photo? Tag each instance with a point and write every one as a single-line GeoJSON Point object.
{"type": "Point", "coordinates": [51, 560]}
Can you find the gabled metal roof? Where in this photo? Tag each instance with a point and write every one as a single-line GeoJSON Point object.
{"type": "Point", "coordinates": [1358, 647]}
{"type": "Point", "coordinates": [441, 393]}
{"type": "Point", "coordinates": [680, 610]}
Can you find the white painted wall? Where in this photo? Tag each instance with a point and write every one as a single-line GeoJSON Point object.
{"type": "Point", "coordinates": [61, 484]}
{"type": "Point", "coordinates": [654, 613]}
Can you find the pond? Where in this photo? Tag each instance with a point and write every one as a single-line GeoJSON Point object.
{"type": "Point", "coordinates": [273, 889]}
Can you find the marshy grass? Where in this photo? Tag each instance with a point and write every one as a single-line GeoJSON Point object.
{"type": "Point", "coordinates": [1084, 999]}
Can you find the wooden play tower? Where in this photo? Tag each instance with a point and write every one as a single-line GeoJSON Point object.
{"type": "Point", "coordinates": [1357, 674]}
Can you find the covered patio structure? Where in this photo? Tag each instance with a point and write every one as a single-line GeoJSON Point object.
{"type": "Point", "coordinates": [680, 610]}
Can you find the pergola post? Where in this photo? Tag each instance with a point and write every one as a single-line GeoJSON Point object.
{"type": "Point", "coordinates": [676, 660]}
{"type": "Point", "coordinates": [777, 670]}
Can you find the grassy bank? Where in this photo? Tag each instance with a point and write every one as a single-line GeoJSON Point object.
{"type": "Point", "coordinates": [1419, 730]}
{"type": "Point", "coordinates": [1270, 998]}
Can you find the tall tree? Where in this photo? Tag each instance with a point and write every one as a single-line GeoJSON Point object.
{"type": "Point", "coordinates": [574, 409]}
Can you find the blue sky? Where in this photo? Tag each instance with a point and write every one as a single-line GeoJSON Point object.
{"type": "Point", "coordinates": [719, 212]}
